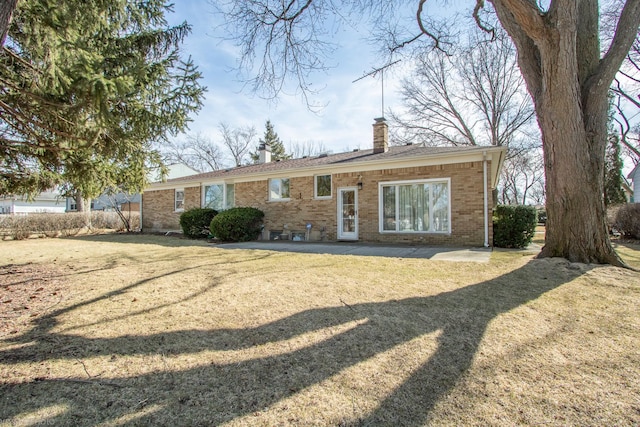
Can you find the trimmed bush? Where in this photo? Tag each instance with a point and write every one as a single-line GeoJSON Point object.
{"type": "Point", "coordinates": [627, 221]}
{"type": "Point", "coordinates": [514, 226]}
{"type": "Point", "coordinates": [195, 222]}
{"type": "Point", "coordinates": [113, 221]}
{"type": "Point", "coordinates": [237, 224]}
{"type": "Point", "coordinates": [542, 216]}
{"type": "Point", "coordinates": [20, 227]}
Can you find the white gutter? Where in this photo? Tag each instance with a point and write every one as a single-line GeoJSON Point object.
{"type": "Point", "coordinates": [486, 201]}
{"type": "Point", "coordinates": [140, 208]}
{"type": "Point", "coordinates": [361, 166]}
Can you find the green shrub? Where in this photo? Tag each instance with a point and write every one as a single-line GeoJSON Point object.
{"type": "Point", "coordinates": [627, 220]}
{"type": "Point", "coordinates": [542, 216]}
{"type": "Point", "coordinates": [195, 222]}
{"type": "Point", "coordinates": [514, 226]}
{"type": "Point", "coordinates": [237, 224]}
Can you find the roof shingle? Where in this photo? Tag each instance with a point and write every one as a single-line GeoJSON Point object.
{"type": "Point", "coordinates": [356, 156]}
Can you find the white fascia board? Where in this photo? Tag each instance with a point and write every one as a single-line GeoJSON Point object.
{"type": "Point", "coordinates": [497, 161]}
{"type": "Point", "coordinates": [428, 160]}
{"type": "Point", "coordinates": [175, 185]}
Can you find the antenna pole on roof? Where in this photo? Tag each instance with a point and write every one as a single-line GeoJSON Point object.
{"type": "Point", "coordinates": [373, 74]}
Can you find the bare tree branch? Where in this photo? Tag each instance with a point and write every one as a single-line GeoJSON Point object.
{"type": "Point", "coordinates": [238, 142]}
{"type": "Point", "coordinates": [476, 17]}
{"type": "Point", "coordinates": [197, 151]}
{"type": "Point", "coordinates": [474, 97]}
{"type": "Point", "coordinates": [625, 34]}
{"type": "Point", "coordinates": [310, 148]}
{"type": "Point", "coordinates": [423, 29]}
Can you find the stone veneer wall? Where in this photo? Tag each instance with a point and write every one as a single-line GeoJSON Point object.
{"type": "Point", "coordinates": [158, 213]}
{"type": "Point", "coordinates": [467, 213]}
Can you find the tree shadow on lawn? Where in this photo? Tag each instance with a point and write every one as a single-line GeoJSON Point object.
{"type": "Point", "coordinates": [141, 238]}
{"type": "Point", "coordinates": [208, 397]}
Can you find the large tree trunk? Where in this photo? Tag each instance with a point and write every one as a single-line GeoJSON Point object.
{"type": "Point", "coordinates": [81, 205]}
{"type": "Point", "coordinates": [6, 12]}
{"type": "Point", "coordinates": [559, 56]}
{"type": "Point", "coordinates": [84, 206]}
{"type": "Point", "coordinates": [574, 157]}
{"type": "Point", "coordinates": [574, 161]}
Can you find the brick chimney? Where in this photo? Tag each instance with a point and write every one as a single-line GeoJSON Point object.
{"type": "Point", "coordinates": [380, 136]}
{"type": "Point", "coordinates": [264, 151]}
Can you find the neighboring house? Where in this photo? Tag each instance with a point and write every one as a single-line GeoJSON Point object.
{"type": "Point", "coordinates": [106, 202]}
{"type": "Point", "coordinates": [634, 176]}
{"type": "Point", "coordinates": [405, 194]}
{"type": "Point", "coordinates": [177, 170]}
{"type": "Point", "coordinates": [129, 202]}
{"type": "Point", "coordinates": [48, 201]}
{"type": "Point", "coordinates": [628, 192]}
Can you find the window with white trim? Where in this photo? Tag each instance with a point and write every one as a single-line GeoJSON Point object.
{"type": "Point", "coordinates": [218, 196]}
{"type": "Point", "coordinates": [179, 199]}
{"type": "Point", "coordinates": [322, 186]}
{"type": "Point", "coordinates": [415, 207]}
{"type": "Point", "coordinates": [279, 189]}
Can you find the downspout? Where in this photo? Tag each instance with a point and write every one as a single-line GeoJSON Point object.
{"type": "Point", "coordinates": [140, 208]}
{"type": "Point", "coordinates": [486, 201]}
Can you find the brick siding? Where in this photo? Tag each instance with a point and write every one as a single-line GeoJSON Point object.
{"type": "Point", "coordinates": [467, 213]}
{"type": "Point", "coordinates": [467, 198]}
{"type": "Point", "coordinates": [158, 208]}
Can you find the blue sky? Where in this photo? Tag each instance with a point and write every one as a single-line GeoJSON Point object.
{"type": "Point", "coordinates": [346, 122]}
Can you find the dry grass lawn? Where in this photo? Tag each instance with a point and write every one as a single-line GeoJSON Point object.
{"type": "Point", "coordinates": [120, 330]}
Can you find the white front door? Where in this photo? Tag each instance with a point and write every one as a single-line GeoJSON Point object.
{"type": "Point", "coordinates": [348, 213]}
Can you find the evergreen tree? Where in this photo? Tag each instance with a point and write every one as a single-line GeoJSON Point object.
{"type": "Point", "coordinates": [613, 191]}
{"type": "Point", "coordinates": [88, 86]}
{"type": "Point", "coordinates": [272, 139]}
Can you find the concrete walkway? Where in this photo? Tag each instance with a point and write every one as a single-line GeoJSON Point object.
{"type": "Point", "coordinates": [439, 253]}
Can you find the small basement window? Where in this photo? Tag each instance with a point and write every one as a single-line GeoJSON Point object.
{"type": "Point", "coordinates": [298, 236]}
{"type": "Point", "coordinates": [275, 234]}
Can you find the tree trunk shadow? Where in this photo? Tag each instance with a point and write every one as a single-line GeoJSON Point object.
{"type": "Point", "coordinates": [459, 317]}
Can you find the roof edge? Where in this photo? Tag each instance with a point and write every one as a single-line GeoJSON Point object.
{"type": "Point", "coordinates": [469, 154]}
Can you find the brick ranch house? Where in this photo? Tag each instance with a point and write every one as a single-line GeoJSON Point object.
{"type": "Point", "coordinates": [404, 194]}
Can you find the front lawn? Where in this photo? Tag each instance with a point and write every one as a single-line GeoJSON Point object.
{"type": "Point", "coordinates": [149, 330]}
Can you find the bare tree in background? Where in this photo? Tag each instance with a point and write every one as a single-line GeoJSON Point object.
{"type": "Point", "coordinates": [473, 96]}
{"type": "Point", "coordinates": [203, 154]}
{"type": "Point", "coordinates": [120, 202]}
{"type": "Point", "coordinates": [566, 71]}
{"type": "Point", "coordinates": [197, 151]}
{"type": "Point", "coordinates": [626, 103]}
{"type": "Point", "coordinates": [310, 148]}
{"type": "Point", "coordinates": [522, 180]}
{"type": "Point", "coordinates": [238, 142]}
